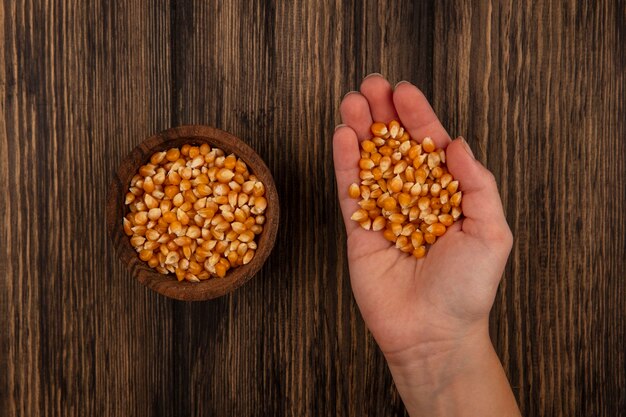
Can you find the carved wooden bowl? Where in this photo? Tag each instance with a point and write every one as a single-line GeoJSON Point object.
{"type": "Point", "coordinates": [168, 285]}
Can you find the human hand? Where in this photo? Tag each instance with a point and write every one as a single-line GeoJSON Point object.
{"type": "Point", "coordinates": [411, 303]}
{"type": "Point", "coordinates": [437, 306]}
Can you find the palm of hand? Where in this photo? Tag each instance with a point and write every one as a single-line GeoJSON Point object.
{"type": "Point", "coordinates": [410, 304]}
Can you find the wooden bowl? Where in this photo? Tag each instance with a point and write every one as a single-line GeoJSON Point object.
{"type": "Point", "coordinates": [168, 285]}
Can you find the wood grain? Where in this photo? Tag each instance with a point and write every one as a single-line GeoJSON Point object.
{"type": "Point", "coordinates": [537, 87]}
{"type": "Point", "coordinates": [543, 108]}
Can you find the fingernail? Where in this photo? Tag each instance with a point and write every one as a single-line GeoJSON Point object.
{"type": "Point", "coordinates": [339, 126]}
{"type": "Point", "coordinates": [349, 92]}
{"type": "Point", "coordinates": [466, 146]}
{"type": "Point", "coordinates": [401, 82]}
{"type": "Point", "coordinates": [372, 75]}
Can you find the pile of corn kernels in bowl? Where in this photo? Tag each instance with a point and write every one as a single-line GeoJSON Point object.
{"type": "Point", "coordinates": [195, 212]}
{"type": "Point", "coordinates": [406, 190]}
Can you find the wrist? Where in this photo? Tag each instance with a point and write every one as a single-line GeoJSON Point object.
{"type": "Point", "coordinates": [432, 365]}
{"type": "Point", "coordinates": [466, 379]}
{"type": "Point", "coordinates": [459, 377]}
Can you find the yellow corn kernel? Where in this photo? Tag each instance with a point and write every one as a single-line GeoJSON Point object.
{"type": "Point", "coordinates": [152, 234]}
{"type": "Point", "coordinates": [455, 200]}
{"type": "Point", "coordinates": [389, 203]}
{"type": "Point", "coordinates": [260, 204]}
{"type": "Point", "coordinates": [437, 229]}
{"type": "Point", "coordinates": [423, 203]}
{"type": "Point", "coordinates": [446, 219]}
{"type": "Point", "coordinates": [151, 245]}
{"type": "Point", "coordinates": [194, 267]}
{"type": "Point", "coordinates": [368, 146]}
{"type": "Point", "coordinates": [187, 252]}
{"type": "Point", "coordinates": [205, 149]}
{"type": "Point", "coordinates": [169, 217]}
{"type": "Point", "coordinates": [246, 236]}
{"type": "Point", "coordinates": [419, 252]}
{"type": "Point", "coordinates": [408, 229]}
{"type": "Point", "coordinates": [139, 230]}
{"type": "Point", "coordinates": [127, 227]}
{"type": "Point", "coordinates": [148, 185]}
{"type": "Point", "coordinates": [230, 162]}
{"type": "Point", "coordinates": [445, 179]}
{"type": "Point", "coordinates": [224, 175]}
{"type": "Point", "coordinates": [389, 235]}
{"type": "Point", "coordinates": [428, 145]}
{"type": "Point", "coordinates": [141, 218]}
{"type": "Point", "coordinates": [137, 241]}
{"type": "Point", "coordinates": [396, 228]}
{"type": "Point", "coordinates": [247, 257]}
{"type": "Point", "coordinates": [220, 270]}
{"type": "Point", "coordinates": [147, 170]}
{"type": "Point", "coordinates": [433, 160]}
{"type": "Point", "coordinates": [359, 215]}
{"type": "Point", "coordinates": [379, 223]}
{"type": "Point", "coordinates": [256, 229]}
{"type": "Point", "coordinates": [379, 129]}
{"type": "Point", "coordinates": [430, 219]}
{"type": "Point", "coordinates": [172, 154]}
{"type": "Point", "coordinates": [180, 274]}
{"type": "Point", "coordinates": [417, 238]}
{"type": "Point", "coordinates": [366, 163]}
{"type": "Point", "coordinates": [376, 193]}
{"type": "Point", "coordinates": [452, 187]}
{"type": "Point", "coordinates": [367, 204]}
{"type": "Point", "coordinates": [154, 213]}
{"type": "Point", "coordinates": [404, 200]}
{"type": "Point", "coordinates": [400, 167]}
{"type": "Point", "coordinates": [394, 128]}
{"type": "Point", "coordinates": [182, 217]}
{"type": "Point", "coordinates": [193, 151]}
{"type": "Point", "coordinates": [145, 255]}
{"type": "Point", "coordinates": [130, 197]}
{"type": "Point", "coordinates": [436, 172]}
{"type": "Point", "coordinates": [183, 241]}
{"type": "Point", "coordinates": [177, 228]}
{"type": "Point", "coordinates": [401, 242]}
{"type": "Point", "coordinates": [171, 191]}
{"type": "Point", "coordinates": [395, 184]}
{"type": "Point", "coordinates": [456, 213]}
{"type": "Point", "coordinates": [385, 163]}
{"type": "Point", "coordinates": [193, 232]}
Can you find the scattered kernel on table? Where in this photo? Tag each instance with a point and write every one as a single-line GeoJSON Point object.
{"type": "Point", "coordinates": [406, 190]}
{"type": "Point", "coordinates": [195, 212]}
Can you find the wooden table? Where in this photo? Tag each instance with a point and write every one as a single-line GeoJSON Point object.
{"type": "Point", "coordinates": [537, 88]}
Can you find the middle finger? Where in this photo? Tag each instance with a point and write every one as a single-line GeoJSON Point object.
{"type": "Point", "coordinates": [379, 95]}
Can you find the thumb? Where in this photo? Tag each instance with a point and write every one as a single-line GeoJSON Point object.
{"type": "Point", "coordinates": [481, 204]}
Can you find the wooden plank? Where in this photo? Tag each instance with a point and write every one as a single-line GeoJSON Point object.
{"type": "Point", "coordinates": [82, 84]}
{"type": "Point", "coordinates": [535, 88]}
{"type": "Point", "coordinates": [290, 342]}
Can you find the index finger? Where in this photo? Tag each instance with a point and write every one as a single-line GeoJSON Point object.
{"type": "Point", "coordinates": [355, 112]}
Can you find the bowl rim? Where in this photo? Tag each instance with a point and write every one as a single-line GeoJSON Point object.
{"type": "Point", "coordinates": [116, 209]}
